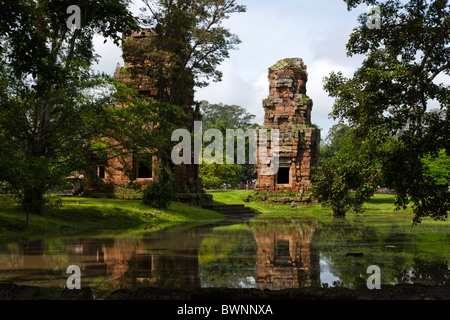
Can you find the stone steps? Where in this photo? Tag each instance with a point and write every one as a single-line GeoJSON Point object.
{"type": "Point", "coordinates": [229, 209]}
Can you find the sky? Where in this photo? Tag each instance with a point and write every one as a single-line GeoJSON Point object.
{"type": "Point", "coordinates": [270, 30]}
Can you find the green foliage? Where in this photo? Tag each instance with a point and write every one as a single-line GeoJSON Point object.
{"type": "Point", "coordinates": [215, 175]}
{"type": "Point", "coordinates": [50, 53]}
{"type": "Point", "coordinates": [223, 117]}
{"type": "Point", "coordinates": [336, 140]}
{"type": "Point", "coordinates": [143, 128]}
{"type": "Point", "coordinates": [438, 167]}
{"type": "Point", "coordinates": [51, 102]}
{"type": "Point", "coordinates": [188, 43]}
{"type": "Point", "coordinates": [160, 193]}
{"type": "Point", "coordinates": [348, 173]}
{"type": "Point", "coordinates": [343, 183]}
{"type": "Point", "coordinates": [56, 115]}
{"type": "Point", "coordinates": [391, 93]}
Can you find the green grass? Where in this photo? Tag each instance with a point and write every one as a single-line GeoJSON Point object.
{"type": "Point", "coordinates": [380, 207]}
{"type": "Point", "coordinates": [268, 210]}
{"type": "Point", "coordinates": [89, 215]}
{"type": "Point", "coordinates": [85, 215]}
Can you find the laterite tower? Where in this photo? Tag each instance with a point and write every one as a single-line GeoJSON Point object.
{"type": "Point", "coordinates": [288, 109]}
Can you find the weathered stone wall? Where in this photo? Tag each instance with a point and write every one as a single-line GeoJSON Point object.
{"type": "Point", "coordinates": [288, 109]}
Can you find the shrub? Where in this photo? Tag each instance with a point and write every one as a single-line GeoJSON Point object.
{"type": "Point", "coordinates": [344, 183]}
{"type": "Point", "coordinates": [160, 194]}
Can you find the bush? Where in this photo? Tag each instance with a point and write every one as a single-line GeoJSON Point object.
{"type": "Point", "coordinates": [160, 194]}
{"type": "Point", "coordinates": [344, 183]}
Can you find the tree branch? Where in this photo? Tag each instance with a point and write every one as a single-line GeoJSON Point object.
{"type": "Point", "coordinates": [443, 68]}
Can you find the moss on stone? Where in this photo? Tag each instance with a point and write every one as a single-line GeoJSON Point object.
{"type": "Point", "coordinates": [289, 63]}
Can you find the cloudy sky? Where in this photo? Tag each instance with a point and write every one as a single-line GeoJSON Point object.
{"type": "Point", "coordinates": [316, 31]}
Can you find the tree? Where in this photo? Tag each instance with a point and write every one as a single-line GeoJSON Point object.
{"type": "Point", "coordinates": [137, 125]}
{"type": "Point", "coordinates": [186, 44]}
{"type": "Point", "coordinates": [336, 140]}
{"type": "Point", "coordinates": [223, 117]}
{"type": "Point", "coordinates": [438, 168]}
{"type": "Point", "coordinates": [215, 175]}
{"type": "Point", "coordinates": [345, 181]}
{"type": "Point", "coordinates": [51, 102]}
{"type": "Point", "coordinates": [390, 96]}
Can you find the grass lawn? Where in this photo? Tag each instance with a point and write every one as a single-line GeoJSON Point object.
{"type": "Point", "coordinates": [80, 215]}
{"type": "Point", "coordinates": [380, 205]}
{"type": "Point", "coordinates": [379, 210]}
{"type": "Point", "coordinates": [89, 215]}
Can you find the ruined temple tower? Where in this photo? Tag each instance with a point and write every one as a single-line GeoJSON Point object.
{"type": "Point", "coordinates": [288, 109]}
{"type": "Point", "coordinates": [112, 172]}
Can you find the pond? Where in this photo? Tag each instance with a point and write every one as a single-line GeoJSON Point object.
{"type": "Point", "coordinates": [237, 253]}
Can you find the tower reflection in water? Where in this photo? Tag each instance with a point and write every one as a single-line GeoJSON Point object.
{"type": "Point", "coordinates": [274, 254]}
{"type": "Point", "coordinates": [285, 258]}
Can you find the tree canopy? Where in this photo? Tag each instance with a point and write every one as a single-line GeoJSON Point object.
{"type": "Point", "coordinates": [187, 43]}
{"type": "Point", "coordinates": [399, 93]}
{"type": "Point", "coordinates": [58, 116]}
{"type": "Point", "coordinates": [336, 140]}
{"type": "Point", "coordinates": [223, 117]}
{"type": "Point", "coordinates": [346, 177]}
{"type": "Point", "coordinates": [51, 101]}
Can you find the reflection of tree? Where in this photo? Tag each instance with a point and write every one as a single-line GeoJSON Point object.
{"type": "Point", "coordinates": [228, 257]}
{"type": "Point", "coordinates": [335, 239]}
{"type": "Point", "coordinates": [167, 259]}
{"type": "Point", "coordinates": [285, 258]}
{"type": "Point", "coordinates": [430, 270]}
{"type": "Point", "coordinates": [54, 257]}
{"type": "Point", "coordinates": [12, 257]}
{"type": "Point", "coordinates": [397, 263]}
{"type": "Point", "coordinates": [265, 254]}
{"type": "Point", "coordinates": [30, 260]}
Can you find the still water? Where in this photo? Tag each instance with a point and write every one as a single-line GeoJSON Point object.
{"type": "Point", "coordinates": [237, 253]}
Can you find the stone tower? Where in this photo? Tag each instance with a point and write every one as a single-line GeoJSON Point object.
{"type": "Point", "coordinates": [112, 172]}
{"type": "Point", "coordinates": [288, 109]}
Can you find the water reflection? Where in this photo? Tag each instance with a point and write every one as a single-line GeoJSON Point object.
{"type": "Point", "coordinates": [257, 254]}
{"type": "Point", "coordinates": [165, 260]}
{"type": "Point", "coordinates": [285, 258]}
